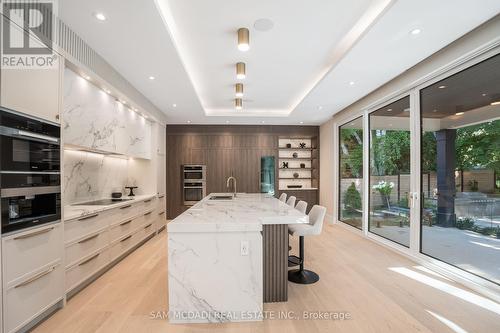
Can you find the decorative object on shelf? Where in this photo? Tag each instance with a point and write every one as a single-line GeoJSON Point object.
{"type": "Point", "coordinates": [295, 155]}
{"type": "Point", "coordinates": [302, 145]}
{"type": "Point", "coordinates": [302, 165]}
{"type": "Point", "coordinates": [285, 165]}
{"type": "Point", "coordinates": [295, 175]}
{"type": "Point", "coordinates": [289, 145]}
{"type": "Point", "coordinates": [116, 195]}
{"type": "Point", "coordinates": [294, 186]}
{"type": "Point", "coordinates": [131, 188]}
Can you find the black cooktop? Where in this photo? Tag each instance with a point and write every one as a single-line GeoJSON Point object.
{"type": "Point", "coordinates": [102, 202]}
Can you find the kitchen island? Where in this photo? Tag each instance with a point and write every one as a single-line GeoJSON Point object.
{"type": "Point", "coordinates": [227, 256]}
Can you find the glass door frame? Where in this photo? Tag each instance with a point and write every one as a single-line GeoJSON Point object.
{"type": "Point", "coordinates": [414, 167]}
{"type": "Point", "coordinates": [412, 90]}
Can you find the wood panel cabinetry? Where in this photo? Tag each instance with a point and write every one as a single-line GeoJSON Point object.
{"type": "Point", "coordinates": [226, 151]}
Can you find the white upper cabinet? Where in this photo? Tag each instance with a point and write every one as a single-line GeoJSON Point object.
{"type": "Point", "coordinates": [93, 119]}
{"type": "Point", "coordinates": [35, 92]}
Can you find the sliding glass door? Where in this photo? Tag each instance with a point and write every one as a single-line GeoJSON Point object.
{"type": "Point", "coordinates": [460, 163]}
{"type": "Point", "coordinates": [389, 184]}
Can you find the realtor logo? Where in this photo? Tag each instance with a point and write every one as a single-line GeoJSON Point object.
{"type": "Point", "coordinates": [28, 28]}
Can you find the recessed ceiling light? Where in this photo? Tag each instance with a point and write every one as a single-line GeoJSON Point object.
{"type": "Point", "coordinates": [189, 121]}
{"type": "Point", "coordinates": [263, 121]}
{"type": "Point", "coordinates": [320, 107]}
{"type": "Point", "coordinates": [100, 16]}
{"type": "Point", "coordinates": [415, 31]}
{"type": "Point", "coordinates": [301, 122]}
{"type": "Point", "coordinates": [240, 71]}
{"type": "Point", "coordinates": [434, 110]}
{"type": "Point", "coordinates": [484, 94]}
{"type": "Point", "coordinates": [389, 110]}
{"type": "Point", "coordinates": [442, 87]}
{"type": "Point", "coordinates": [351, 83]}
{"type": "Point", "coordinates": [227, 121]}
{"type": "Point", "coordinates": [151, 78]}
{"type": "Point", "coordinates": [495, 103]}
{"type": "Point", "coordinates": [243, 39]}
{"type": "Point", "coordinates": [459, 113]}
{"type": "Point", "coordinates": [123, 102]}
{"type": "Point", "coordinates": [174, 105]}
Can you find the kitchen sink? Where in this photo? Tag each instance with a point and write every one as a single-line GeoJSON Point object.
{"type": "Point", "coordinates": [221, 197]}
{"type": "Point", "coordinates": [102, 202]}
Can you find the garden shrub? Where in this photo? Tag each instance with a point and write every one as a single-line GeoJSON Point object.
{"type": "Point", "coordinates": [465, 223]}
{"type": "Point", "coordinates": [352, 198]}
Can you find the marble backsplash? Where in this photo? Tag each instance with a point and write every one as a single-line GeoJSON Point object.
{"type": "Point", "coordinates": [90, 176]}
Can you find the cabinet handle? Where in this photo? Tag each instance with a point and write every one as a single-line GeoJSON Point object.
{"type": "Point", "coordinates": [161, 213]}
{"type": "Point", "coordinates": [161, 196]}
{"type": "Point", "coordinates": [149, 200]}
{"type": "Point", "coordinates": [126, 238]}
{"type": "Point", "coordinates": [125, 207]}
{"type": "Point", "coordinates": [125, 223]}
{"type": "Point", "coordinates": [148, 225]}
{"type": "Point", "coordinates": [89, 259]}
{"type": "Point", "coordinates": [33, 234]}
{"type": "Point", "coordinates": [88, 238]}
{"type": "Point", "coordinates": [88, 217]}
{"type": "Point", "coordinates": [36, 277]}
{"type": "Point", "coordinates": [148, 213]}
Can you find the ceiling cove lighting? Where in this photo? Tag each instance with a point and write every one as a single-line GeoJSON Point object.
{"type": "Point", "coordinates": [415, 31]}
{"type": "Point", "coordinates": [243, 39]}
{"type": "Point", "coordinates": [239, 90]}
{"type": "Point", "coordinates": [238, 103]}
{"type": "Point", "coordinates": [151, 78]}
{"type": "Point", "coordinates": [351, 83]}
{"type": "Point", "coordinates": [495, 103]}
{"type": "Point", "coordinates": [459, 113]}
{"type": "Point", "coordinates": [240, 71]}
{"type": "Point", "coordinates": [442, 87]}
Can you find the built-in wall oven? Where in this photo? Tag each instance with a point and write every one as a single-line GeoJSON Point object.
{"type": "Point", "coordinates": [30, 187]}
{"type": "Point", "coordinates": [193, 183]}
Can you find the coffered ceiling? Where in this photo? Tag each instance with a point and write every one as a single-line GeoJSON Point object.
{"type": "Point", "coordinates": [318, 57]}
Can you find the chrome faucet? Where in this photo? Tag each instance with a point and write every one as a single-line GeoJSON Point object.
{"type": "Point", "coordinates": [234, 181]}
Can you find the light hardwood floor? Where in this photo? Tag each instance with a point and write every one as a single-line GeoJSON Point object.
{"type": "Point", "coordinates": [355, 278]}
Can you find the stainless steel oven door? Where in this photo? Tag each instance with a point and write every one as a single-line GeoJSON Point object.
{"type": "Point", "coordinates": [193, 192]}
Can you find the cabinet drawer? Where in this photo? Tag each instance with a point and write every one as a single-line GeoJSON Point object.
{"type": "Point", "coordinates": [126, 227]}
{"type": "Point", "coordinates": [148, 229]}
{"type": "Point", "coordinates": [148, 204]}
{"type": "Point", "coordinates": [27, 251]}
{"type": "Point", "coordinates": [25, 300]}
{"type": "Point", "coordinates": [149, 217]}
{"type": "Point", "coordinates": [86, 246]}
{"type": "Point", "coordinates": [86, 225]}
{"type": "Point", "coordinates": [121, 246]}
{"type": "Point", "coordinates": [126, 212]}
{"type": "Point", "coordinates": [161, 202]}
{"type": "Point", "coordinates": [86, 268]}
{"type": "Point", "coordinates": [161, 219]}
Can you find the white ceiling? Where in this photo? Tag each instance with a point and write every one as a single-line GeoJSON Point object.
{"type": "Point", "coordinates": [297, 72]}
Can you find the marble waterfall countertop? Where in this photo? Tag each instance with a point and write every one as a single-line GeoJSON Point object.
{"type": "Point", "coordinates": [245, 212]}
{"type": "Point", "coordinates": [74, 211]}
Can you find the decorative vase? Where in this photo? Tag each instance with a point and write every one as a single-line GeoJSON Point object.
{"type": "Point", "coordinates": [289, 145]}
{"type": "Point", "coordinates": [295, 175]}
{"type": "Point", "coordinates": [302, 165]}
{"type": "Point", "coordinates": [295, 155]}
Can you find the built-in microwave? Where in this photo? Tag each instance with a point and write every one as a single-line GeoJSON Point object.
{"type": "Point", "coordinates": [29, 206]}
{"type": "Point", "coordinates": [194, 172]}
{"type": "Point", "coordinates": [28, 145]}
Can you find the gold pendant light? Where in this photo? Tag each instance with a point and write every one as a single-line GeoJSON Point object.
{"type": "Point", "coordinates": [240, 71]}
{"type": "Point", "coordinates": [238, 103]}
{"type": "Point", "coordinates": [243, 39]}
{"type": "Point", "coordinates": [239, 90]}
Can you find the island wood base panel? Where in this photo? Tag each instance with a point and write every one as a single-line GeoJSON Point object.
{"type": "Point", "coordinates": [275, 252]}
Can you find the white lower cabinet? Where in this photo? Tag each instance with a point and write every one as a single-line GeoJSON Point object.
{"type": "Point", "coordinates": [86, 268]}
{"type": "Point", "coordinates": [95, 241]}
{"type": "Point", "coordinates": [26, 299]}
{"type": "Point", "coordinates": [32, 274]}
